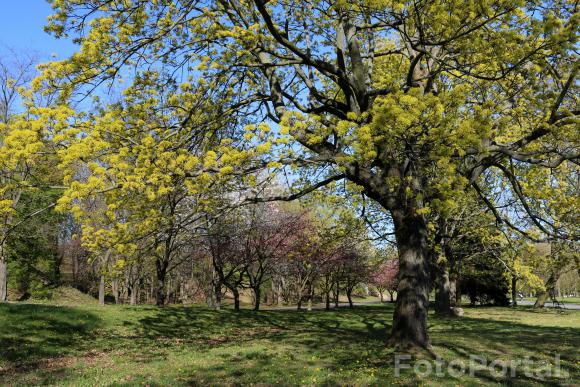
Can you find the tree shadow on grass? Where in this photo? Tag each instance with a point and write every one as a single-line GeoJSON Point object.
{"type": "Point", "coordinates": [30, 334]}
{"type": "Point", "coordinates": [346, 339]}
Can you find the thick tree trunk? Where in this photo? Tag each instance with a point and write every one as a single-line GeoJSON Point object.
{"type": "Point", "coordinates": [391, 296]}
{"type": "Point", "coordinates": [327, 307]}
{"type": "Point", "coordinates": [453, 292]}
{"type": "Point", "coordinates": [133, 299]}
{"type": "Point", "coordinates": [410, 317]}
{"type": "Point", "coordinates": [457, 295]}
{"type": "Point", "coordinates": [160, 288]}
{"type": "Point", "coordinates": [541, 300]}
{"type": "Point", "coordinates": [381, 295]}
{"type": "Point", "coordinates": [257, 295]}
{"type": "Point", "coordinates": [543, 296]}
{"type": "Point", "coordinates": [214, 299]}
{"type": "Point", "coordinates": [102, 290]}
{"type": "Point", "coordinates": [443, 293]}
{"type": "Point", "coordinates": [236, 294]}
{"type": "Point", "coordinates": [3, 278]}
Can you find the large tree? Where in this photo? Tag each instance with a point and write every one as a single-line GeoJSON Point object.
{"type": "Point", "coordinates": [412, 102]}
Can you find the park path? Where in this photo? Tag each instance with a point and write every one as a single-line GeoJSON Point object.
{"type": "Point", "coordinates": [321, 306]}
{"type": "Point", "coordinates": [551, 305]}
{"type": "Point", "coordinates": [345, 305]}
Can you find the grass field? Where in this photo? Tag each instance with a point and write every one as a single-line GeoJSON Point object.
{"type": "Point", "coordinates": [88, 345]}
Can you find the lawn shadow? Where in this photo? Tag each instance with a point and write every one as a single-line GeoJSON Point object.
{"type": "Point", "coordinates": [511, 344]}
{"type": "Point", "coordinates": [31, 335]}
{"type": "Point", "coordinates": [347, 338]}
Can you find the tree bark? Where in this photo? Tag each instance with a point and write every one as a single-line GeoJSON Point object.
{"type": "Point", "coordinates": [543, 296]}
{"type": "Point", "coordinates": [327, 301]}
{"type": "Point", "coordinates": [102, 290]}
{"type": "Point", "coordinates": [349, 296]}
{"type": "Point", "coordinates": [541, 299]}
{"type": "Point", "coordinates": [443, 293]}
{"type": "Point", "coordinates": [133, 299]}
{"type": "Point", "coordinates": [257, 298]}
{"type": "Point", "coordinates": [453, 292]}
{"type": "Point", "coordinates": [236, 294]}
{"type": "Point", "coordinates": [160, 283]}
{"type": "Point", "coordinates": [410, 317]}
{"type": "Point", "coordinates": [514, 290]}
{"type": "Point", "coordinates": [3, 278]}
{"type": "Point", "coordinates": [457, 293]}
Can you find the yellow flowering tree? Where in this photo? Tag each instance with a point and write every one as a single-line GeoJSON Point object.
{"type": "Point", "coordinates": [25, 161]}
{"type": "Point", "coordinates": [412, 102]}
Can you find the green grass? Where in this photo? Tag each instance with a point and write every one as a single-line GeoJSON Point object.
{"type": "Point", "coordinates": [119, 345]}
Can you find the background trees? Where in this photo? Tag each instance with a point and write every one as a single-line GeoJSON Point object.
{"type": "Point", "coordinates": [384, 278]}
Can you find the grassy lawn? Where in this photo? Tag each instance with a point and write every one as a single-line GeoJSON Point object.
{"type": "Point", "coordinates": [88, 345]}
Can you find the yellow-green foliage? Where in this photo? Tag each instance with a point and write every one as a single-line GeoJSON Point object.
{"type": "Point", "coordinates": [457, 84]}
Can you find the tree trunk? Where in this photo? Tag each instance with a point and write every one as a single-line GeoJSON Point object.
{"type": "Point", "coordinates": [457, 292]}
{"type": "Point", "coordinates": [327, 300]}
{"type": "Point", "coordinates": [3, 275]}
{"type": "Point", "coordinates": [236, 294]}
{"type": "Point", "coordinates": [257, 298]}
{"type": "Point", "coordinates": [381, 295]}
{"type": "Point", "coordinates": [102, 290]}
{"type": "Point", "coordinates": [299, 304]}
{"type": "Point", "coordinates": [541, 300]}
{"type": "Point", "coordinates": [3, 278]}
{"type": "Point", "coordinates": [453, 292]}
{"type": "Point", "coordinates": [160, 284]}
{"type": "Point", "coordinates": [214, 298]}
{"type": "Point", "coordinates": [133, 300]}
{"type": "Point", "coordinates": [391, 296]}
{"type": "Point", "coordinates": [443, 293]}
{"type": "Point", "coordinates": [543, 296]}
{"type": "Point", "coordinates": [514, 290]}
{"type": "Point", "coordinates": [410, 317]}
{"type": "Point", "coordinates": [336, 295]}
{"type": "Point", "coordinates": [349, 296]}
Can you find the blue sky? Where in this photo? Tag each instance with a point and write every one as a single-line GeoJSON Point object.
{"type": "Point", "coordinates": [21, 29]}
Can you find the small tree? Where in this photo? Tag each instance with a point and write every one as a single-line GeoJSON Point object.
{"type": "Point", "coordinates": [384, 278]}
